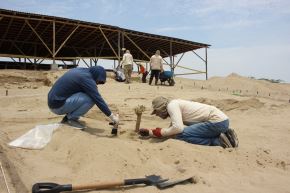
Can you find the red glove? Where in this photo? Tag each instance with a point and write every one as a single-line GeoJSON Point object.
{"type": "Point", "coordinates": [157, 132]}
{"type": "Point", "coordinates": [150, 132]}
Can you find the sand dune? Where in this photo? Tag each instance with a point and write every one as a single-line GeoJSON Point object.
{"type": "Point", "coordinates": [261, 120]}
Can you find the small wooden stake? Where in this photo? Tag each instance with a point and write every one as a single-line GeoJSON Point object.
{"type": "Point", "coordinates": [138, 111]}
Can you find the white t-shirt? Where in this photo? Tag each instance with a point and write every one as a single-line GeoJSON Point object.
{"type": "Point", "coordinates": [183, 112]}
{"type": "Point", "coordinates": [127, 59]}
{"type": "Point", "coordinates": [156, 62]}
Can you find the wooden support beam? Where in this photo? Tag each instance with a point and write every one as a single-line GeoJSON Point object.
{"type": "Point", "coordinates": [119, 48]}
{"type": "Point", "coordinates": [53, 41]}
{"type": "Point", "coordinates": [85, 63]}
{"type": "Point", "coordinates": [136, 45]}
{"type": "Point", "coordinates": [198, 55]}
{"type": "Point", "coordinates": [66, 40]}
{"type": "Point", "coordinates": [13, 59]}
{"type": "Point", "coordinates": [190, 69]}
{"type": "Point", "coordinates": [21, 52]}
{"type": "Point", "coordinates": [6, 31]}
{"type": "Point", "coordinates": [22, 56]}
{"type": "Point", "coordinates": [189, 73]}
{"type": "Point", "coordinates": [86, 57]}
{"type": "Point", "coordinates": [85, 37]}
{"type": "Point", "coordinates": [41, 61]}
{"type": "Point", "coordinates": [108, 42]}
{"type": "Point", "coordinates": [179, 59]}
{"type": "Point", "coordinates": [170, 56]}
{"type": "Point", "coordinates": [165, 61]}
{"type": "Point", "coordinates": [38, 36]}
{"type": "Point", "coordinates": [206, 64]}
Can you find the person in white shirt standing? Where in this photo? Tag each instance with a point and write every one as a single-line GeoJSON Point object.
{"type": "Point", "coordinates": [192, 122]}
{"type": "Point", "coordinates": [156, 67]}
{"type": "Point", "coordinates": [127, 64]}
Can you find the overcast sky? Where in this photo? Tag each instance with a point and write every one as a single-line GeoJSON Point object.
{"type": "Point", "coordinates": [248, 37]}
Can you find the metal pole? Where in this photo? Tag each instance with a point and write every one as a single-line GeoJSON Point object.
{"type": "Point", "coordinates": [123, 44]}
{"type": "Point", "coordinates": [53, 45]}
{"type": "Point", "coordinates": [171, 61]}
{"type": "Point", "coordinates": [206, 63]}
{"type": "Point", "coordinates": [119, 49]}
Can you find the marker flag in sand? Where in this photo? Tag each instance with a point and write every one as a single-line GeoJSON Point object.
{"type": "Point", "coordinates": [36, 138]}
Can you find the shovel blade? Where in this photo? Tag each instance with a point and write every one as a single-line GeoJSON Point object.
{"type": "Point", "coordinates": [173, 183]}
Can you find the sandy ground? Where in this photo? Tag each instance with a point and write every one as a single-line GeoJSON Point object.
{"type": "Point", "coordinates": [258, 110]}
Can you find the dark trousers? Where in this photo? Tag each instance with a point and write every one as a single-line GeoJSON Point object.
{"type": "Point", "coordinates": [154, 73]}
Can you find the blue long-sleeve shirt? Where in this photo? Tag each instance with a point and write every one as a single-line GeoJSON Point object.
{"type": "Point", "coordinates": [79, 80]}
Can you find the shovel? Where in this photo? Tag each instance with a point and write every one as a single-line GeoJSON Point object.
{"type": "Point", "coordinates": [47, 187]}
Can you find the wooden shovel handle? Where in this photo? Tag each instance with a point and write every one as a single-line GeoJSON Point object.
{"type": "Point", "coordinates": [99, 186]}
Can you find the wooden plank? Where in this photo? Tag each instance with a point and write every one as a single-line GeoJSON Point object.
{"type": "Point", "coordinates": [136, 46]}
{"type": "Point", "coordinates": [38, 37]}
{"type": "Point", "coordinates": [65, 40]}
{"type": "Point", "coordinates": [108, 42]}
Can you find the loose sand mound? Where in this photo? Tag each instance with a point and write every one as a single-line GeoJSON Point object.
{"type": "Point", "coordinates": [260, 164]}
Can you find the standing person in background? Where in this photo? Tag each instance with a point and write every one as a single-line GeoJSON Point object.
{"type": "Point", "coordinates": [143, 71]}
{"type": "Point", "coordinates": [127, 64]}
{"type": "Point", "coordinates": [155, 66]}
{"type": "Point", "coordinates": [76, 92]}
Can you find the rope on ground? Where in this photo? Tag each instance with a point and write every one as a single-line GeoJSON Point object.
{"type": "Point", "coordinates": [2, 170]}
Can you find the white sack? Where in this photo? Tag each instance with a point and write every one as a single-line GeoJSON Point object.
{"type": "Point", "coordinates": [36, 138]}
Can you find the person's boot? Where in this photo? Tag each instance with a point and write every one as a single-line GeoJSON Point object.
{"type": "Point", "coordinates": [73, 123]}
{"type": "Point", "coordinates": [224, 141]}
{"type": "Point", "coordinates": [150, 80]}
{"type": "Point", "coordinates": [156, 81]}
{"type": "Point", "coordinates": [64, 120]}
{"type": "Point", "coordinates": [233, 138]}
{"type": "Point", "coordinates": [76, 124]}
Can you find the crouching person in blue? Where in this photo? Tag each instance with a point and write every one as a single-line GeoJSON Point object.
{"type": "Point", "coordinates": [193, 122]}
{"type": "Point", "coordinates": [76, 92]}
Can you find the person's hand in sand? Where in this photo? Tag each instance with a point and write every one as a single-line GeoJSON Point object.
{"type": "Point", "coordinates": [76, 92]}
{"type": "Point", "coordinates": [192, 122]}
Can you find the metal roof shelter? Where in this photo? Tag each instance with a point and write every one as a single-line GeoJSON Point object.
{"type": "Point", "coordinates": [38, 37]}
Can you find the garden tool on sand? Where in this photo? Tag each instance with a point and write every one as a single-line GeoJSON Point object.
{"type": "Point", "coordinates": [48, 187]}
{"type": "Point", "coordinates": [152, 180]}
{"type": "Point", "coordinates": [114, 129]}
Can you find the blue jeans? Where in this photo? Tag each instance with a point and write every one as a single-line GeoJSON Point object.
{"type": "Point", "coordinates": [204, 133]}
{"type": "Point", "coordinates": [75, 106]}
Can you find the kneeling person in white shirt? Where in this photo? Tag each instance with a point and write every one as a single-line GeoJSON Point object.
{"type": "Point", "coordinates": [192, 122]}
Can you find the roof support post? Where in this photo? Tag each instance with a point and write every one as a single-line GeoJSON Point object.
{"type": "Point", "coordinates": [119, 49]}
{"type": "Point", "coordinates": [66, 40]}
{"type": "Point", "coordinates": [136, 45]}
{"type": "Point", "coordinates": [53, 66]}
{"type": "Point", "coordinates": [206, 64]}
{"type": "Point", "coordinates": [39, 36]}
{"type": "Point", "coordinates": [123, 44]}
{"type": "Point", "coordinates": [108, 42]}
{"type": "Point", "coordinates": [170, 56]}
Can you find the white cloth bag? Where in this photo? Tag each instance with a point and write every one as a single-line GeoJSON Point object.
{"type": "Point", "coordinates": [36, 138]}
